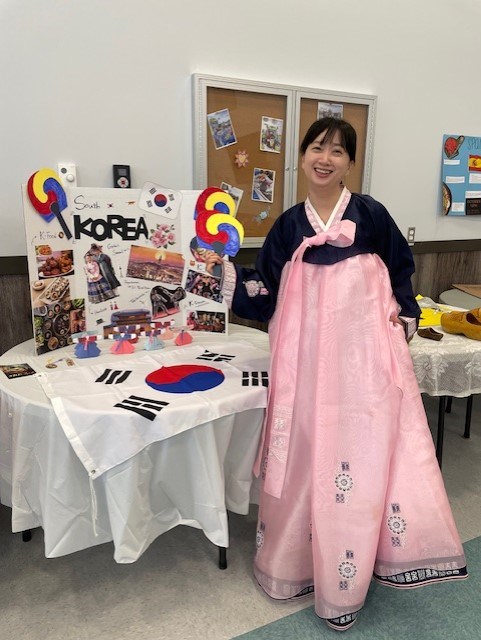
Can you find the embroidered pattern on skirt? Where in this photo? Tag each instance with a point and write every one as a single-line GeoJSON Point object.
{"type": "Point", "coordinates": [344, 483]}
{"type": "Point", "coordinates": [347, 570]}
{"type": "Point", "coordinates": [419, 577]}
{"type": "Point", "coordinates": [397, 525]}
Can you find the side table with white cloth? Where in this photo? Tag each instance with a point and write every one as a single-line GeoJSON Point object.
{"type": "Point", "coordinates": [447, 368]}
{"type": "Point", "coordinates": [189, 476]}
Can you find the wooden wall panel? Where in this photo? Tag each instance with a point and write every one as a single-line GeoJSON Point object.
{"type": "Point", "coordinates": [16, 311]}
{"type": "Point", "coordinates": [437, 272]}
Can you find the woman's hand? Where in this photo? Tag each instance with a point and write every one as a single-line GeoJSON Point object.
{"type": "Point", "coordinates": [211, 260]}
{"type": "Point", "coordinates": [396, 320]}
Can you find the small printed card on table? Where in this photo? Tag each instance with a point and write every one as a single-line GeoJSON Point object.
{"type": "Point", "coordinates": [17, 370]}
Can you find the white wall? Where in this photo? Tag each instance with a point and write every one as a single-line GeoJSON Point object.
{"type": "Point", "coordinates": [102, 82]}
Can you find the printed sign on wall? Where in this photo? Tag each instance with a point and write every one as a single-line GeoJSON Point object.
{"type": "Point", "coordinates": [461, 175]}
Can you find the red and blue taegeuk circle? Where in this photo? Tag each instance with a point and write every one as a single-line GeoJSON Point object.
{"type": "Point", "coordinates": [185, 378]}
{"type": "Point", "coordinates": [160, 200]}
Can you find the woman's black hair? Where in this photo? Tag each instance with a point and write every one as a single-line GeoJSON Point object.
{"type": "Point", "coordinates": [331, 126]}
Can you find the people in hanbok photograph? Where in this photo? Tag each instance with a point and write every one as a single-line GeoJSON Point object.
{"type": "Point", "coordinates": [106, 267]}
{"type": "Point", "coordinates": [263, 185]}
{"type": "Point", "coordinates": [98, 289]}
{"type": "Point", "coordinates": [350, 486]}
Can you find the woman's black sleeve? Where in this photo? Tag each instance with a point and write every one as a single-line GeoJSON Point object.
{"type": "Point", "coordinates": [256, 290]}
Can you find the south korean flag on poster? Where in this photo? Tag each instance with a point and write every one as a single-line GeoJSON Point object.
{"type": "Point", "coordinates": [160, 200]}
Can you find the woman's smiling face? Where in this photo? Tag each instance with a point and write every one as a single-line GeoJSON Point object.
{"type": "Point", "coordinates": [326, 163]}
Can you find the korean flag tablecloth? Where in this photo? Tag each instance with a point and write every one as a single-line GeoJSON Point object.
{"type": "Point", "coordinates": [110, 412]}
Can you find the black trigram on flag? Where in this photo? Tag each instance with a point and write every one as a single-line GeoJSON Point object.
{"type": "Point", "coordinates": [145, 407]}
{"type": "Point", "coordinates": [255, 379]}
{"type": "Point", "coordinates": [215, 357]}
{"type": "Point", "coordinates": [113, 376]}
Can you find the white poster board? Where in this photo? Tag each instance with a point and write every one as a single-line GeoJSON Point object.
{"type": "Point", "coordinates": [128, 263]}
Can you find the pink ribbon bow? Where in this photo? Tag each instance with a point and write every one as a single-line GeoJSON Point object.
{"type": "Point", "coordinates": [340, 234]}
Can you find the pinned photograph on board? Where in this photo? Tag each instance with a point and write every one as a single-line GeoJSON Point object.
{"type": "Point", "coordinates": [329, 110]}
{"type": "Point", "coordinates": [263, 183]}
{"type": "Point", "coordinates": [221, 128]}
{"type": "Point", "coordinates": [235, 193]}
{"type": "Point", "coordinates": [271, 134]}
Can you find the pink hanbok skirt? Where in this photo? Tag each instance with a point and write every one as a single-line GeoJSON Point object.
{"type": "Point", "coordinates": [351, 486]}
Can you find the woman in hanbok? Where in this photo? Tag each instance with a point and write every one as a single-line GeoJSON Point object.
{"type": "Point", "coordinates": [351, 489]}
{"type": "Point", "coordinates": [106, 267]}
{"type": "Point", "coordinates": [98, 289]}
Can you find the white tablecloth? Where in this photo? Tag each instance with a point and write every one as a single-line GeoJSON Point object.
{"type": "Point", "coordinates": [190, 479]}
{"type": "Point", "coordinates": [450, 367]}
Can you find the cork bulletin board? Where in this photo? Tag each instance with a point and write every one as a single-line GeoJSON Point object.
{"type": "Point", "coordinates": [246, 109]}
{"type": "Point", "coordinates": [246, 141]}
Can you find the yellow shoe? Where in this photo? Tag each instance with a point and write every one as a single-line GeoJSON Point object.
{"type": "Point", "coordinates": [467, 323]}
{"type": "Point", "coordinates": [453, 322]}
{"type": "Point", "coordinates": [476, 313]}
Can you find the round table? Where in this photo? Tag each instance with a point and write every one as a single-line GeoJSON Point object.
{"type": "Point", "coordinates": [192, 478]}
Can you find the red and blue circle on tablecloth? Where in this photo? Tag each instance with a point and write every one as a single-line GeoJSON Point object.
{"type": "Point", "coordinates": [185, 378]}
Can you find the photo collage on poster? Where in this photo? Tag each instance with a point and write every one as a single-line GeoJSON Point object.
{"type": "Point", "coordinates": [57, 314]}
{"type": "Point", "coordinates": [133, 258]}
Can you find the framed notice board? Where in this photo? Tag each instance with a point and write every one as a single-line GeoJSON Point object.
{"type": "Point", "coordinates": [246, 141]}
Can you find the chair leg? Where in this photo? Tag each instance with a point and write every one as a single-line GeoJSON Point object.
{"type": "Point", "coordinates": [27, 535]}
{"type": "Point", "coordinates": [467, 423]}
{"type": "Point", "coordinates": [222, 558]}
